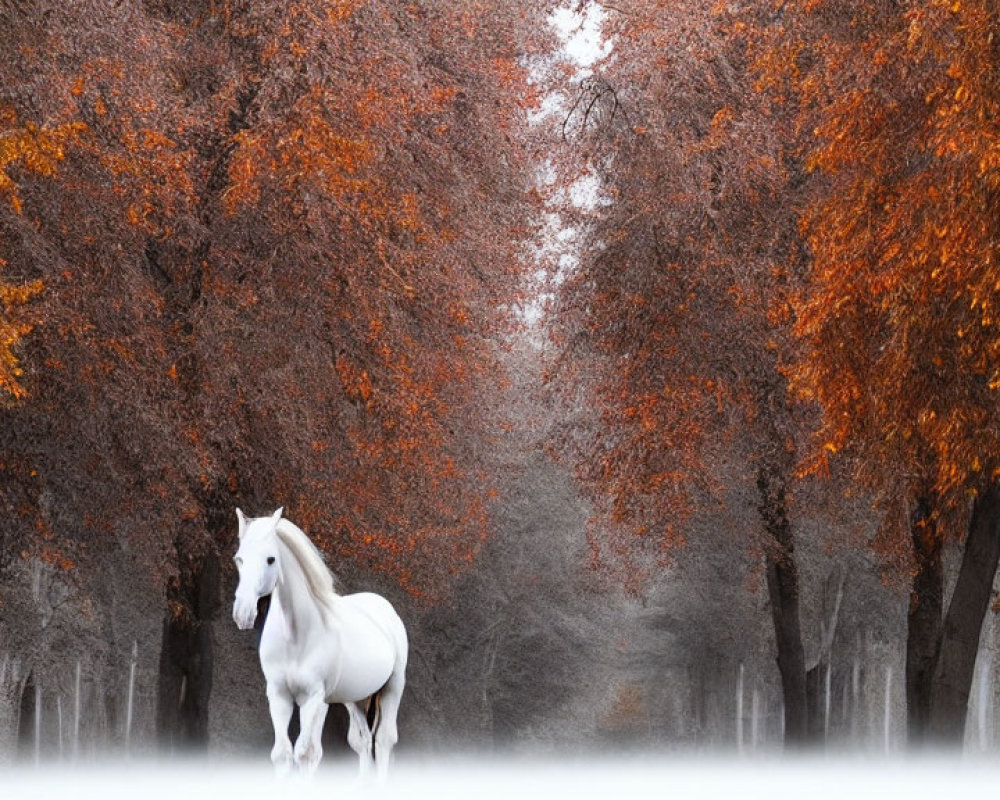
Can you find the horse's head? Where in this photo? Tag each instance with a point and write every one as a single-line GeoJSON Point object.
{"type": "Point", "coordinates": [257, 561]}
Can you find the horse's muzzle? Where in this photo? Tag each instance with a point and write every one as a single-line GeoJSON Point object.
{"type": "Point", "coordinates": [244, 614]}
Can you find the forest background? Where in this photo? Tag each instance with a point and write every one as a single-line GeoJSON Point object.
{"type": "Point", "coordinates": [658, 392]}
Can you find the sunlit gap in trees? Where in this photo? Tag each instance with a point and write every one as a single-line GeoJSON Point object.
{"type": "Point", "coordinates": [583, 45]}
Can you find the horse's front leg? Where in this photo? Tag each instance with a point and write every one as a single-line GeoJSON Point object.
{"type": "Point", "coordinates": [309, 745]}
{"type": "Point", "coordinates": [279, 702]}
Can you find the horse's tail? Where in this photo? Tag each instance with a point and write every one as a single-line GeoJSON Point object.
{"type": "Point", "coordinates": [373, 715]}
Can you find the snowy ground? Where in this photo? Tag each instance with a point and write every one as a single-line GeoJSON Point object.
{"type": "Point", "coordinates": [674, 777]}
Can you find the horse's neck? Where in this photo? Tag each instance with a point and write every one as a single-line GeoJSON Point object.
{"type": "Point", "coordinates": [300, 609]}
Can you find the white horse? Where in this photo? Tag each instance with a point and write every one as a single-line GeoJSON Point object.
{"type": "Point", "coordinates": [318, 647]}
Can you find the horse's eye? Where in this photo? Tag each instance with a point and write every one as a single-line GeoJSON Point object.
{"type": "Point", "coordinates": [270, 560]}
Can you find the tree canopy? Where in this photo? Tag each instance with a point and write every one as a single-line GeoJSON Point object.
{"type": "Point", "coordinates": [262, 247]}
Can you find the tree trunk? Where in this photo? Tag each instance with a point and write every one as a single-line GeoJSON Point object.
{"type": "Point", "coordinates": [185, 679]}
{"type": "Point", "coordinates": [923, 623]}
{"type": "Point", "coordinates": [818, 675]}
{"type": "Point", "coordinates": [815, 703]}
{"type": "Point", "coordinates": [952, 677]}
{"type": "Point", "coordinates": [783, 590]}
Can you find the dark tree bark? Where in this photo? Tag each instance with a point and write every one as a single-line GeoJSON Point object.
{"type": "Point", "coordinates": [959, 641]}
{"type": "Point", "coordinates": [783, 590]}
{"type": "Point", "coordinates": [923, 630]}
{"type": "Point", "coordinates": [817, 675]}
{"type": "Point", "coordinates": [26, 719]}
{"type": "Point", "coordinates": [185, 681]}
{"type": "Point", "coordinates": [814, 703]}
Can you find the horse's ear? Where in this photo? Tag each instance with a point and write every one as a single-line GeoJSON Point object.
{"type": "Point", "coordinates": [243, 522]}
{"type": "Point", "coordinates": [276, 516]}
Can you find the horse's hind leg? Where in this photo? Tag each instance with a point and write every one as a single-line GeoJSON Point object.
{"type": "Point", "coordinates": [385, 731]}
{"type": "Point", "coordinates": [359, 736]}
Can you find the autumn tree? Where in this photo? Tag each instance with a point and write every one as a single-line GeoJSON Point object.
{"type": "Point", "coordinates": [264, 248]}
{"type": "Point", "coordinates": [898, 105]}
{"type": "Point", "coordinates": [677, 320]}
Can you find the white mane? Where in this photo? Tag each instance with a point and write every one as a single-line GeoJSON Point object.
{"type": "Point", "coordinates": [319, 580]}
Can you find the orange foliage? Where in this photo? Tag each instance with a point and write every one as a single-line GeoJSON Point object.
{"type": "Point", "coordinates": [33, 148]}
{"type": "Point", "coordinates": [901, 321]}
{"type": "Point", "coordinates": [12, 329]}
{"type": "Point", "coordinates": [678, 319]}
{"type": "Point", "coordinates": [275, 240]}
